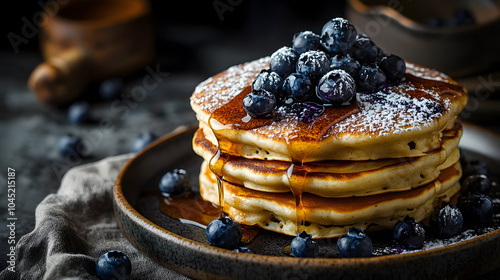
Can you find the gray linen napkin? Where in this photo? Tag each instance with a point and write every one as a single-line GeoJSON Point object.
{"type": "Point", "coordinates": [77, 225]}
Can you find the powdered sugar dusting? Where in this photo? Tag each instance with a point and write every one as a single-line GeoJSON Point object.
{"type": "Point", "coordinates": [426, 73]}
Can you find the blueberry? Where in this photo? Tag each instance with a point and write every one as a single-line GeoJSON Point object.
{"type": "Point", "coordinates": [336, 87]}
{"type": "Point", "coordinates": [355, 244]}
{"type": "Point", "coordinates": [259, 103]}
{"type": "Point", "coordinates": [243, 250]}
{"type": "Point", "coordinates": [365, 51]}
{"type": "Point", "coordinates": [110, 89]}
{"type": "Point", "coordinates": [370, 78]}
{"type": "Point", "coordinates": [78, 112]}
{"type": "Point", "coordinates": [224, 233]}
{"type": "Point", "coordinates": [113, 265]}
{"type": "Point", "coordinates": [476, 208]}
{"type": "Point", "coordinates": [283, 61]}
{"type": "Point", "coordinates": [307, 112]}
{"type": "Point", "coordinates": [269, 81]}
{"type": "Point", "coordinates": [338, 36]}
{"type": "Point", "coordinates": [447, 221]}
{"type": "Point", "coordinates": [476, 167]}
{"type": "Point", "coordinates": [70, 145]}
{"type": "Point", "coordinates": [304, 246]}
{"type": "Point", "coordinates": [477, 183]}
{"type": "Point", "coordinates": [463, 17]}
{"type": "Point", "coordinates": [174, 182]}
{"type": "Point", "coordinates": [143, 140]}
{"type": "Point", "coordinates": [296, 88]}
{"type": "Point", "coordinates": [409, 233]}
{"type": "Point", "coordinates": [346, 63]}
{"type": "Point", "coordinates": [306, 41]}
{"type": "Point", "coordinates": [393, 66]}
{"type": "Point", "coordinates": [313, 64]}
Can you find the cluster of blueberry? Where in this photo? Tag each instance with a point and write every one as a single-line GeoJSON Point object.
{"type": "Point", "coordinates": [321, 70]}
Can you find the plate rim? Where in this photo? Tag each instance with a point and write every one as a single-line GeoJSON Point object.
{"type": "Point", "coordinates": [122, 205]}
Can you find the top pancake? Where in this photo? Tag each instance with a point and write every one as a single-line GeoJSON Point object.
{"type": "Point", "coordinates": [403, 120]}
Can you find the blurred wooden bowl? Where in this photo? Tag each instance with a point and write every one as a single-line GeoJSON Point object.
{"type": "Point", "coordinates": [89, 40]}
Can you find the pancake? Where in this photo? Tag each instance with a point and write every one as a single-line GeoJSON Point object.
{"type": "Point", "coordinates": [329, 217]}
{"type": "Point", "coordinates": [403, 120]}
{"type": "Point", "coordinates": [338, 178]}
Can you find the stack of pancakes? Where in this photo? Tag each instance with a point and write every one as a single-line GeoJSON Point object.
{"type": "Point", "coordinates": [388, 154]}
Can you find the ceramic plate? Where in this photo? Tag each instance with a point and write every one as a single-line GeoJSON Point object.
{"type": "Point", "coordinates": [183, 247]}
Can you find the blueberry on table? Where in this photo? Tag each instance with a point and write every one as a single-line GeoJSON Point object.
{"type": "Point", "coordinates": [113, 265]}
{"type": "Point", "coordinates": [409, 233]}
{"type": "Point", "coordinates": [394, 67]}
{"type": "Point", "coordinates": [224, 233]}
{"type": "Point", "coordinates": [365, 51]}
{"type": "Point", "coordinates": [143, 140]}
{"type": "Point", "coordinates": [174, 182]}
{"type": "Point", "coordinates": [313, 64]}
{"type": "Point", "coordinates": [110, 89]}
{"type": "Point", "coordinates": [477, 183]}
{"type": "Point", "coordinates": [283, 61]}
{"type": "Point", "coordinates": [297, 88]}
{"type": "Point", "coordinates": [78, 112]}
{"type": "Point", "coordinates": [70, 145]}
{"type": "Point", "coordinates": [259, 103]}
{"type": "Point", "coordinates": [338, 36]}
{"type": "Point", "coordinates": [269, 81]}
{"type": "Point", "coordinates": [476, 208]}
{"type": "Point", "coordinates": [370, 78]}
{"type": "Point", "coordinates": [355, 244]}
{"type": "Point", "coordinates": [447, 220]}
{"type": "Point", "coordinates": [346, 63]}
{"type": "Point", "coordinates": [304, 246]}
{"type": "Point", "coordinates": [336, 87]}
{"type": "Point", "coordinates": [306, 41]}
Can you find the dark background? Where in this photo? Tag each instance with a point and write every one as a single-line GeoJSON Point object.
{"type": "Point", "coordinates": [192, 44]}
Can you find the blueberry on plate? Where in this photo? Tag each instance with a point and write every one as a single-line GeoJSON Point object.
{"type": "Point", "coordinates": [174, 182]}
{"type": "Point", "coordinates": [346, 63]}
{"type": "Point", "coordinates": [269, 81]}
{"type": "Point", "coordinates": [307, 112]}
{"type": "Point", "coordinates": [113, 265]}
{"type": "Point", "coordinates": [463, 17]}
{"type": "Point", "coordinates": [110, 89]}
{"type": "Point", "coordinates": [476, 208]}
{"type": "Point", "coordinates": [304, 246]}
{"type": "Point", "coordinates": [338, 36]}
{"type": "Point", "coordinates": [447, 221]}
{"type": "Point", "coordinates": [243, 250]}
{"type": "Point", "coordinates": [355, 244]}
{"type": "Point", "coordinates": [313, 64]}
{"type": "Point", "coordinates": [306, 41]}
{"type": "Point", "coordinates": [370, 78]}
{"type": "Point", "coordinates": [283, 61]}
{"type": "Point", "coordinates": [477, 183]}
{"type": "Point", "coordinates": [476, 167]}
{"type": "Point", "coordinates": [224, 233]}
{"type": "Point", "coordinates": [70, 145]}
{"type": "Point", "coordinates": [409, 233]}
{"type": "Point", "coordinates": [297, 88]}
{"type": "Point", "coordinates": [142, 141]}
{"type": "Point", "coordinates": [336, 87]}
{"type": "Point", "coordinates": [365, 50]}
{"type": "Point", "coordinates": [259, 103]}
{"type": "Point", "coordinates": [78, 112]}
{"type": "Point", "coordinates": [394, 67]}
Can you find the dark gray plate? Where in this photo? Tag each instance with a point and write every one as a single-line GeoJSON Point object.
{"type": "Point", "coordinates": [184, 248]}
